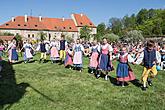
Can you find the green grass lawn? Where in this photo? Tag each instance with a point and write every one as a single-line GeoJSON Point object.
{"type": "Point", "coordinates": [35, 86]}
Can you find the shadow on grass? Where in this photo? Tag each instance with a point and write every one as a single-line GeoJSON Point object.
{"type": "Point", "coordinates": [45, 96]}
{"type": "Point", "coordinates": [10, 91]}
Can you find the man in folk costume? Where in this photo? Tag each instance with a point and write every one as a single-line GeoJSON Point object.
{"type": "Point", "coordinates": [63, 44]}
{"type": "Point", "coordinates": [149, 57]}
{"type": "Point", "coordinates": [42, 49]}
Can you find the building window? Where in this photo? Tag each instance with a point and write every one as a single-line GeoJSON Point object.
{"type": "Point", "coordinates": [19, 25]}
{"type": "Point", "coordinates": [55, 27]}
{"type": "Point", "coordinates": [64, 27]}
{"type": "Point", "coordinates": [7, 24]}
{"type": "Point", "coordinates": [81, 23]}
{"type": "Point", "coordinates": [90, 23]}
{"type": "Point", "coordinates": [70, 27]}
{"type": "Point", "coordinates": [28, 35]}
{"type": "Point", "coordinates": [35, 25]}
{"type": "Point", "coordinates": [25, 25]}
{"type": "Point", "coordinates": [32, 35]}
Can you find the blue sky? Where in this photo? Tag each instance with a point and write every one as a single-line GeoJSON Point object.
{"type": "Point", "coordinates": [97, 10]}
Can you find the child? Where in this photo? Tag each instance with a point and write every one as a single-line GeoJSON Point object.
{"type": "Point", "coordinates": [27, 51]}
{"type": "Point", "coordinates": [63, 44]}
{"type": "Point", "coordinates": [42, 49]}
{"type": "Point", "coordinates": [78, 50]}
{"type": "Point", "coordinates": [149, 57]}
{"type": "Point", "coordinates": [54, 56]}
{"type": "Point", "coordinates": [105, 64]}
{"type": "Point", "coordinates": [124, 72]}
{"type": "Point", "coordinates": [94, 50]}
{"type": "Point", "coordinates": [68, 59]}
{"type": "Point", "coordinates": [12, 52]}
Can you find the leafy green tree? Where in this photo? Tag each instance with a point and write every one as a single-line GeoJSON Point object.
{"type": "Point", "coordinates": [18, 37]}
{"type": "Point", "coordinates": [116, 25]}
{"type": "Point", "coordinates": [42, 36]}
{"type": "Point", "coordinates": [112, 37]}
{"type": "Point", "coordinates": [134, 36]}
{"type": "Point", "coordinates": [85, 32]}
{"type": "Point", "coordinates": [101, 30]}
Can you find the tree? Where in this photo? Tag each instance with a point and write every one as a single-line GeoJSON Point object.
{"type": "Point", "coordinates": [115, 24]}
{"type": "Point", "coordinates": [18, 37]}
{"type": "Point", "coordinates": [101, 30]}
{"type": "Point", "coordinates": [134, 35]}
{"type": "Point", "coordinates": [85, 32]}
{"type": "Point", "coordinates": [112, 37]}
{"type": "Point", "coordinates": [142, 16]}
{"type": "Point", "coordinates": [69, 38]}
{"type": "Point", "coordinates": [42, 36]}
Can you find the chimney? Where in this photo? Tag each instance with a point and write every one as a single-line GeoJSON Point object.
{"type": "Point", "coordinates": [26, 18]}
{"type": "Point", "coordinates": [63, 19]}
{"type": "Point", "coordinates": [81, 14]}
{"type": "Point", "coordinates": [40, 18]}
{"type": "Point", "coordinates": [12, 19]}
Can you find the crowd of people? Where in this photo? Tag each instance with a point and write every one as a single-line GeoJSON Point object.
{"type": "Point", "coordinates": [101, 54]}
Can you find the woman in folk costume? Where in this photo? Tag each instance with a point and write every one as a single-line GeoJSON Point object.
{"type": "Point", "coordinates": [78, 50]}
{"type": "Point", "coordinates": [27, 51]}
{"type": "Point", "coordinates": [124, 72]}
{"type": "Point", "coordinates": [105, 60]}
{"type": "Point", "coordinates": [12, 52]}
{"type": "Point", "coordinates": [68, 62]}
{"type": "Point", "coordinates": [54, 55]}
{"type": "Point", "coordinates": [94, 50]}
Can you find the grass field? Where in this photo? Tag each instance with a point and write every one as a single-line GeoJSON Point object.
{"type": "Point", "coordinates": [35, 86]}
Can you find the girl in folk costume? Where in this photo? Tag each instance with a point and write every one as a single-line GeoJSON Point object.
{"type": "Point", "coordinates": [54, 56]}
{"type": "Point", "coordinates": [68, 62]}
{"type": "Point", "coordinates": [12, 52]}
{"type": "Point", "coordinates": [149, 57]}
{"type": "Point", "coordinates": [105, 64]}
{"type": "Point", "coordinates": [78, 50]}
{"type": "Point", "coordinates": [124, 72]}
{"type": "Point", "coordinates": [27, 51]}
{"type": "Point", "coordinates": [94, 50]}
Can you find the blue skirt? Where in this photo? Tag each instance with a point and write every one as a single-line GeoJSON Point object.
{"type": "Point", "coordinates": [122, 70]}
{"type": "Point", "coordinates": [104, 63]}
{"type": "Point", "coordinates": [14, 55]}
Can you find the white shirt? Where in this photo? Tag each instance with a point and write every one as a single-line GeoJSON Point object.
{"type": "Point", "coordinates": [141, 57]}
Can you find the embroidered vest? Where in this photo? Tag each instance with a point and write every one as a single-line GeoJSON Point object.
{"type": "Point", "coordinates": [62, 45]}
{"type": "Point", "coordinates": [149, 58]}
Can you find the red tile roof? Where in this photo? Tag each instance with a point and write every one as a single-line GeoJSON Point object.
{"type": "Point", "coordinates": [7, 38]}
{"type": "Point", "coordinates": [83, 20]}
{"type": "Point", "coordinates": [33, 23]}
{"type": "Point", "coordinates": [50, 24]}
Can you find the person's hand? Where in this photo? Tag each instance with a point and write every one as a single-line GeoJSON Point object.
{"type": "Point", "coordinates": [133, 63]}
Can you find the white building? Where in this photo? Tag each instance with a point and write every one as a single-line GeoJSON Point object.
{"type": "Point", "coordinates": [29, 27]}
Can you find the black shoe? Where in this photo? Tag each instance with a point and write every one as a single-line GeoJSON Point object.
{"type": "Point", "coordinates": [40, 60]}
{"type": "Point", "coordinates": [149, 83]}
{"type": "Point", "coordinates": [44, 61]}
{"type": "Point", "coordinates": [144, 88]}
{"type": "Point", "coordinates": [97, 76]}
